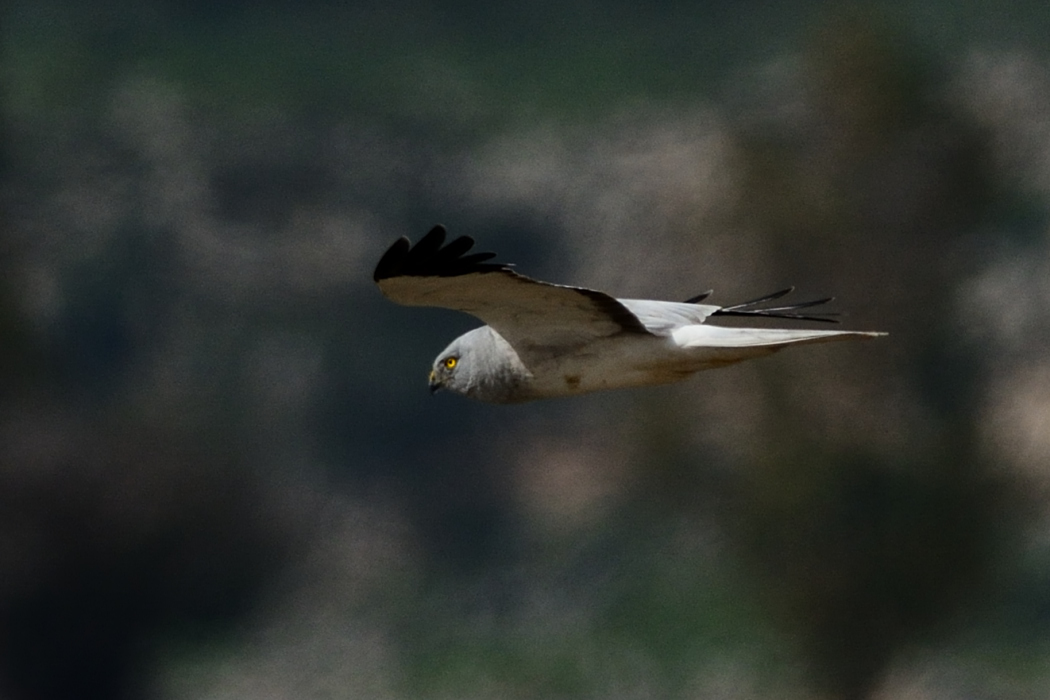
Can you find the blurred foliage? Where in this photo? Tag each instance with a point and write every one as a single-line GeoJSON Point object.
{"type": "Point", "coordinates": [864, 554]}
{"type": "Point", "coordinates": [202, 436]}
{"type": "Point", "coordinates": [456, 65]}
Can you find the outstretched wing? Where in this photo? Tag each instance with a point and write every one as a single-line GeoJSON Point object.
{"type": "Point", "coordinates": [531, 315]}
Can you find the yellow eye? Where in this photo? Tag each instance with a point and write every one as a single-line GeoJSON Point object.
{"type": "Point", "coordinates": [450, 362]}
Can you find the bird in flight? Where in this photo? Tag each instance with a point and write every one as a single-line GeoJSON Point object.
{"type": "Point", "coordinates": [545, 340]}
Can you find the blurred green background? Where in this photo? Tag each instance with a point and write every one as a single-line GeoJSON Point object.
{"type": "Point", "coordinates": [221, 474]}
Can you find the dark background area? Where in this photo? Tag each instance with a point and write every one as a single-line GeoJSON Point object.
{"type": "Point", "coordinates": [221, 474]}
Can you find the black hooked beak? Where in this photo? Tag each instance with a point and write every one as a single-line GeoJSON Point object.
{"type": "Point", "coordinates": [434, 382]}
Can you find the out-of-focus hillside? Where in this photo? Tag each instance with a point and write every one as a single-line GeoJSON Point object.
{"type": "Point", "coordinates": [223, 476]}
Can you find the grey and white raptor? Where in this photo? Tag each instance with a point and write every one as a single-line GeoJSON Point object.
{"type": "Point", "coordinates": [545, 340]}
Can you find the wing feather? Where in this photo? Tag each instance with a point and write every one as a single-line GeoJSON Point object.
{"type": "Point", "coordinates": [755, 308]}
{"type": "Point", "coordinates": [531, 315]}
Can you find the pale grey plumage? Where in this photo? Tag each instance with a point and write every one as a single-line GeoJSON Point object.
{"type": "Point", "coordinates": [486, 367]}
{"type": "Point", "coordinates": [545, 340]}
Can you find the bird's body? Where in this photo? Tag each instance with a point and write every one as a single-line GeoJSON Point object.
{"type": "Point", "coordinates": [616, 362]}
{"type": "Point", "coordinates": [546, 340]}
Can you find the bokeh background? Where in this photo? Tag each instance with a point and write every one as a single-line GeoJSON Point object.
{"type": "Point", "coordinates": [221, 474]}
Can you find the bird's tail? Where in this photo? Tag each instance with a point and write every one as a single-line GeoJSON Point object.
{"type": "Point", "coordinates": [718, 346]}
{"type": "Point", "coordinates": [704, 335]}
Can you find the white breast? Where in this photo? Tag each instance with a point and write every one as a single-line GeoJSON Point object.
{"type": "Point", "coordinates": [627, 360]}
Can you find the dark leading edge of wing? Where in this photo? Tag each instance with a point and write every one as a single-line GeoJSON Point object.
{"type": "Point", "coordinates": [429, 259]}
{"type": "Point", "coordinates": [754, 308]}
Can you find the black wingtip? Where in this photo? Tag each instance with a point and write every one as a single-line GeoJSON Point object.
{"type": "Point", "coordinates": [699, 297]}
{"type": "Point", "coordinates": [432, 242]}
{"type": "Point", "coordinates": [430, 257]}
{"type": "Point", "coordinates": [789, 311]}
{"type": "Point", "coordinates": [390, 263]}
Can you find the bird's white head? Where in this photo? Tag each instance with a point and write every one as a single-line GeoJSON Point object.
{"type": "Point", "coordinates": [481, 365]}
